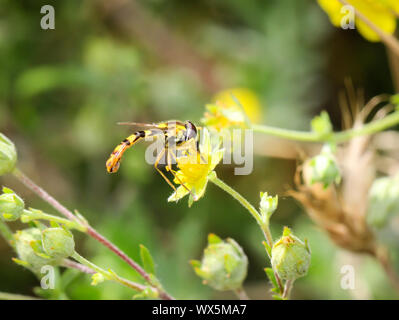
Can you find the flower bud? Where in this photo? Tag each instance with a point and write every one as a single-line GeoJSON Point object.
{"type": "Point", "coordinates": [321, 124]}
{"type": "Point", "coordinates": [8, 155]}
{"type": "Point", "coordinates": [383, 201]}
{"type": "Point", "coordinates": [290, 256]}
{"type": "Point", "coordinates": [58, 243]}
{"type": "Point", "coordinates": [323, 168]}
{"type": "Point", "coordinates": [29, 250]}
{"type": "Point", "coordinates": [224, 264]}
{"type": "Point", "coordinates": [11, 205]}
{"type": "Point", "coordinates": [268, 204]}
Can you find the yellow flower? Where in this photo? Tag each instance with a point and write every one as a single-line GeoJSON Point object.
{"type": "Point", "coordinates": [195, 169]}
{"type": "Point", "coordinates": [233, 108]}
{"type": "Point", "coordinates": [380, 12]}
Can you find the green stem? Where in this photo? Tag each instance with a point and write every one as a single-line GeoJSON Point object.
{"type": "Point", "coordinates": [31, 214]}
{"type": "Point", "coordinates": [108, 275]}
{"type": "Point", "coordinates": [287, 134]}
{"type": "Point", "coordinates": [336, 137]}
{"type": "Point", "coordinates": [241, 294]}
{"type": "Point", "coordinates": [6, 232]}
{"type": "Point", "coordinates": [12, 296]}
{"type": "Point", "coordinates": [369, 128]}
{"type": "Point", "coordinates": [287, 289]}
{"type": "Point", "coordinates": [244, 202]}
{"type": "Point", "coordinates": [90, 230]}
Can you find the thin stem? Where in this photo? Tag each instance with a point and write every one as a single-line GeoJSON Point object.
{"type": "Point", "coordinates": [107, 275]}
{"type": "Point", "coordinates": [287, 288]}
{"type": "Point", "coordinates": [30, 215]}
{"type": "Point", "coordinates": [89, 229]}
{"type": "Point", "coordinates": [244, 202]}
{"type": "Point", "coordinates": [12, 296]}
{"type": "Point", "coordinates": [78, 266]}
{"type": "Point", "coordinates": [369, 128]}
{"type": "Point", "coordinates": [337, 137]}
{"type": "Point", "coordinates": [44, 195]}
{"type": "Point", "coordinates": [241, 294]}
{"type": "Point", "coordinates": [287, 134]}
{"type": "Point", "coordinates": [91, 265]}
{"type": "Point", "coordinates": [6, 232]}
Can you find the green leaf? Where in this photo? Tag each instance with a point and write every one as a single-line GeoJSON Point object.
{"type": "Point", "coordinates": [267, 247]}
{"type": "Point", "coordinates": [147, 260]}
{"type": "Point", "coordinates": [7, 190]}
{"type": "Point", "coordinates": [195, 263]}
{"type": "Point", "coordinates": [271, 277]}
{"type": "Point", "coordinates": [21, 262]}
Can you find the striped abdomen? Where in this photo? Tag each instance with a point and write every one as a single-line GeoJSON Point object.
{"type": "Point", "coordinates": [113, 162]}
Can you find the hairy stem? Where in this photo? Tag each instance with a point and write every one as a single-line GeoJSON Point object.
{"type": "Point", "coordinates": [30, 215]}
{"type": "Point", "coordinates": [89, 229]}
{"type": "Point", "coordinates": [244, 202]}
{"type": "Point", "coordinates": [337, 137]}
{"type": "Point", "coordinates": [12, 296]}
{"type": "Point", "coordinates": [78, 266]}
{"type": "Point", "coordinates": [107, 275]}
{"type": "Point", "coordinates": [287, 289]}
{"type": "Point", "coordinates": [44, 195]}
{"type": "Point", "coordinates": [241, 294]}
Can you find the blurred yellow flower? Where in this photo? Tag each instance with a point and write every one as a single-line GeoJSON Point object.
{"type": "Point", "coordinates": [195, 168]}
{"type": "Point", "coordinates": [383, 13]}
{"type": "Point", "coordinates": [225, 112]}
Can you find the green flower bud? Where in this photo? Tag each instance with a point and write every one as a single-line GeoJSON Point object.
{"type": "Point", "coordinates": [58, 243]}
{"type": "Point", "coordinates": [290, 256]}
{"type": "Point", "coordinates": [30, 251]}
{"type": "Point", "coordinates": [321, 124]}
{"type": "Point", "coordinates": [268, 205]}
{"type": "Point", "coordinates": [383, 201]}
{"type": "Point", "coordinates": [11, 205]}
{"type": "Point", "coordinates": [8, 155]}
{"type": "Point", "coordinates": [224, 264]}
{"type": "Point", "coordinates": [324, 168]}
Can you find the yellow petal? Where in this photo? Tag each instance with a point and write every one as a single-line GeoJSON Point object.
{"type": "Point", "coordinates": [333, 9]}
{"type": "Point", "coordinates": [378, 14]}
{"type": "Point", "coordinates": [246, 97]}
{"type": "Point", "coordinates": [199, 188]}
{"type": "Point", "coordinates": [178, 194]}
{"type": "Point", "coordinates": [216, 157]}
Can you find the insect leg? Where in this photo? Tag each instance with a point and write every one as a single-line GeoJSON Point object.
{"type": "Point", "coordinates": [159, 157]}
{"type": "Point", "coordinates": [169, 164]}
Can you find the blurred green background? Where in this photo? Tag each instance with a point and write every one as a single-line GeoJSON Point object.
{"type": "Point", "coordinates": [62, 92]}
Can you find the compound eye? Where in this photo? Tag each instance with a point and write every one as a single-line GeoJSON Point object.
{"type": "Point", "coordinates": [191, 131]}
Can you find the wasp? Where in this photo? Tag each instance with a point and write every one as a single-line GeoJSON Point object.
{"type": "Point", "coordinates": [177, 135]}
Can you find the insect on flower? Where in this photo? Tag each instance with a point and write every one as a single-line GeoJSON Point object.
{"type": "Point", "coordinates": [178, 137]}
